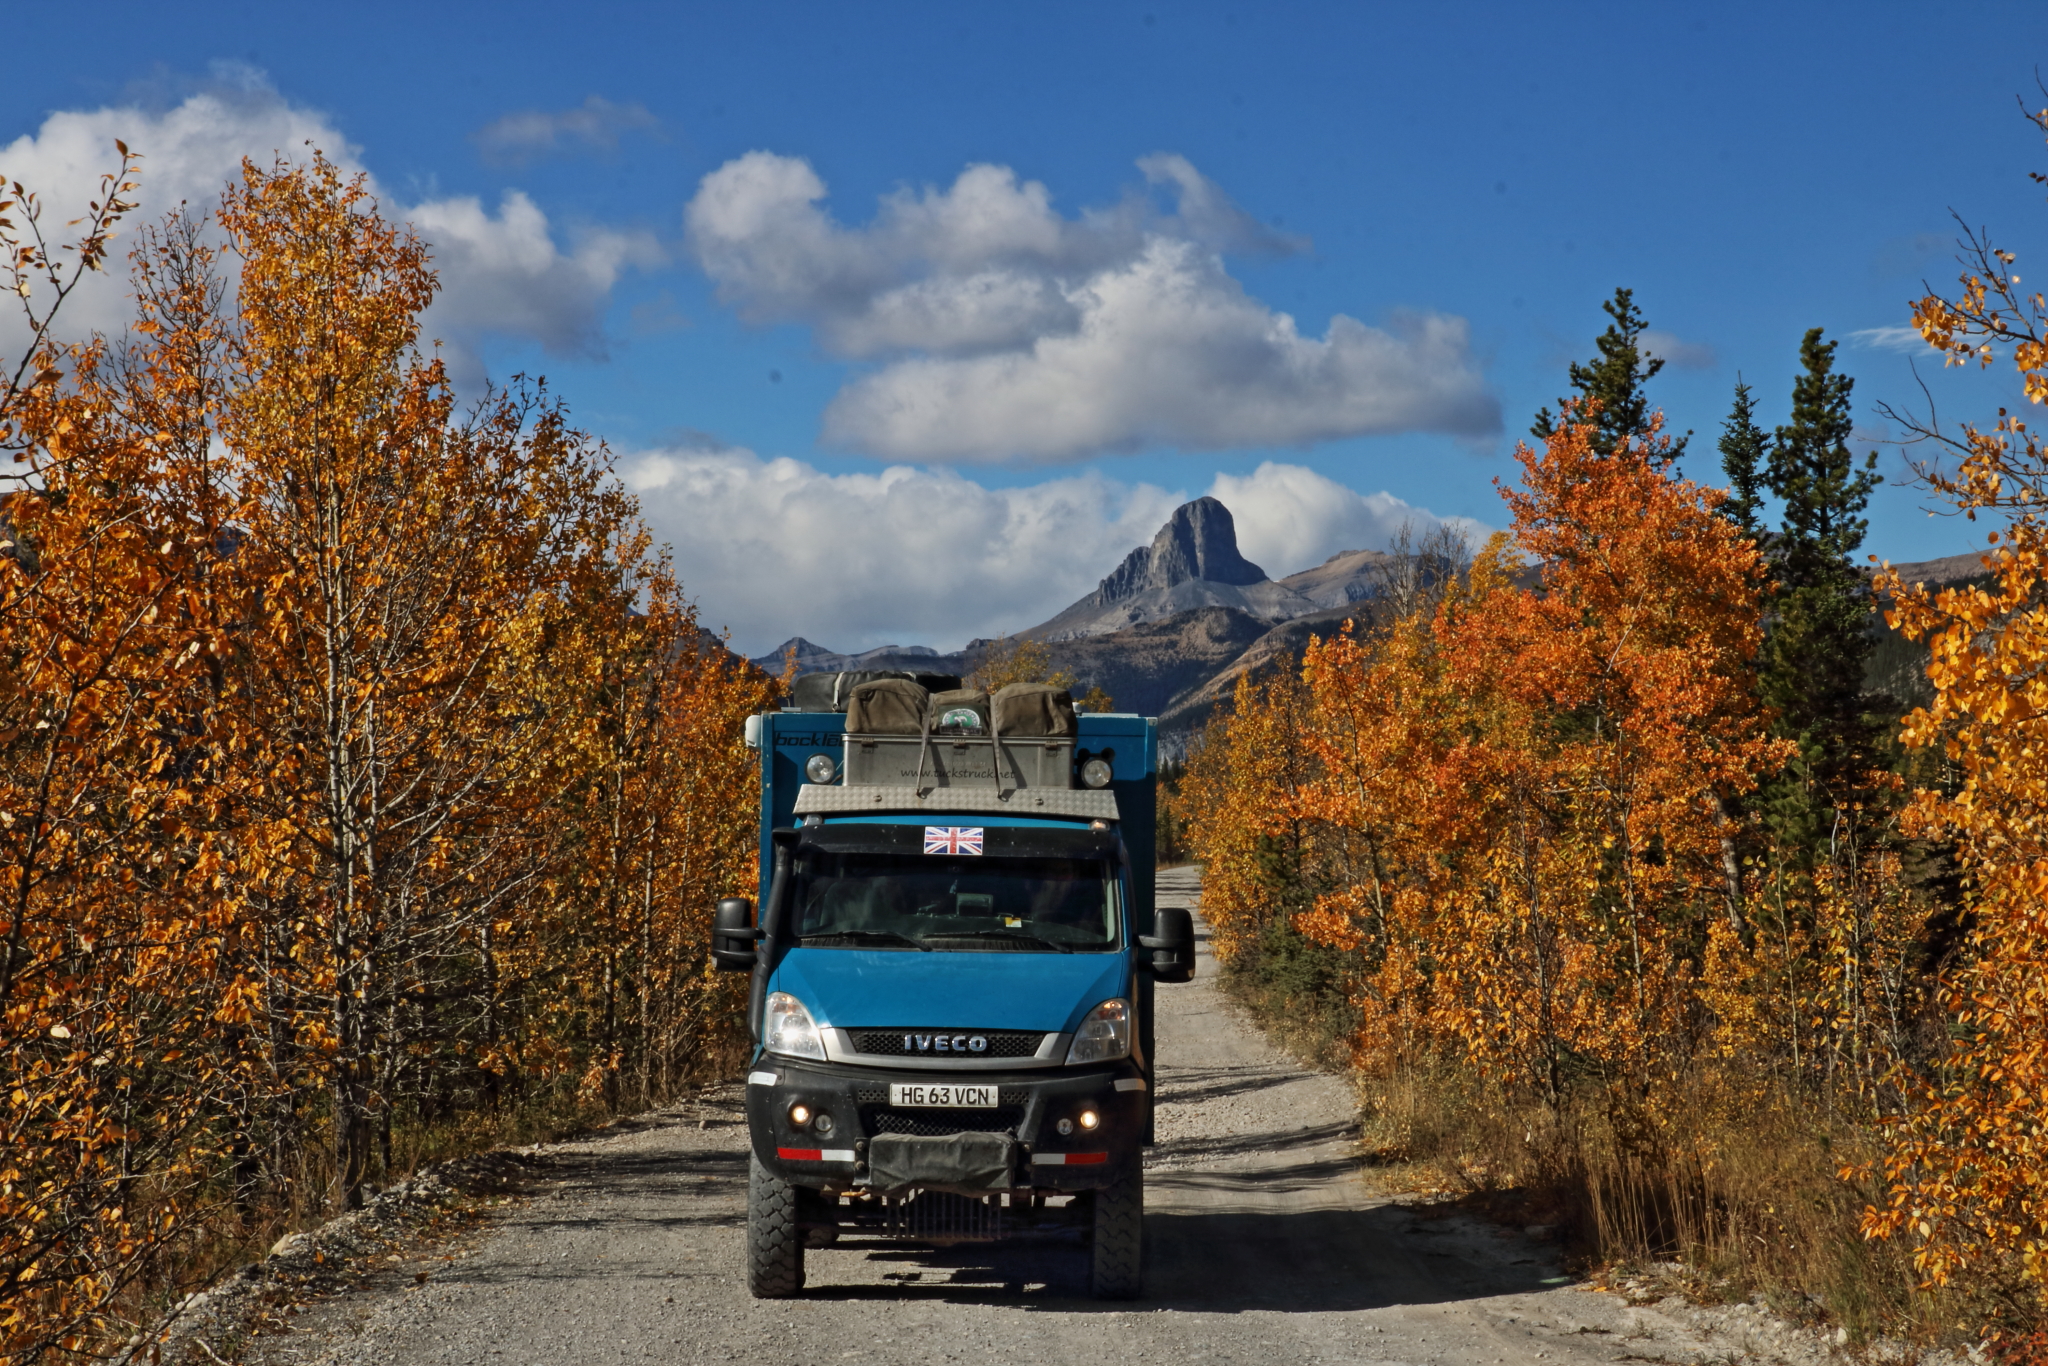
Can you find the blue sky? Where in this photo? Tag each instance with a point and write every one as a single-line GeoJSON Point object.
{"type": "Point", "coordinates": [786, 377]}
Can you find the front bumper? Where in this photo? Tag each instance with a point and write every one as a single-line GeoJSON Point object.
{"type": "Point", "coordinates": [1029, 1106]}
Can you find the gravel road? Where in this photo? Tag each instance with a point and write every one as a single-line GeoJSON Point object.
{"type": "Point", "coordinates": [1267, 1245]}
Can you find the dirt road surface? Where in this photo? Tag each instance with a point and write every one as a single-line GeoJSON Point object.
{"type": "Point", "coordinates": [1267, 1244]}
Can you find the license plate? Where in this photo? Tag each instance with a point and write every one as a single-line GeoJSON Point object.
{"type": "Point", "coordinates": [951, 1097]}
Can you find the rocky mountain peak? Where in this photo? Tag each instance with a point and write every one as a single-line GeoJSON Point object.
{"type": "Point", "coordinates": [1198, 542]}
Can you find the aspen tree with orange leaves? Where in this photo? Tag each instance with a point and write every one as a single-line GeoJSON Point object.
{"type": "Point", "coordinates": [364, 774]}
{"type": "Point", "coordinates": [112, 983]}
{"type": "Point", "coordinates": [416, 570]}
{"type": "Point", "coordinates": [1566, 747]}
{"type": "Point", "coordinates": [1967, 1157]}
{"type": "Point", "coordinates": [658, 843]}
{"type": "Point", "coordinates": [1512, 805]}
{"type": "Point", "coordinates": [1240, 792]}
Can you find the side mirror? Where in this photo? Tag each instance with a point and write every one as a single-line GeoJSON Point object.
{"type": "Point", "coordinates": [733, 935]}
{"type": "Point", "coordinates": [1172, 943]}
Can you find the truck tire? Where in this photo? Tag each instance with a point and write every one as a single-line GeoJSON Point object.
{"type": "Point", "coordinates": [775, 1242]}
{"type": "Point", "coordinates": [1119, 1251]}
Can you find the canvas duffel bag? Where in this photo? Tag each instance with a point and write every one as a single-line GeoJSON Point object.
{"type": "Point", "coordinates": [960, 711]}
{"type": "Point", "coordinates": [1033, 709]}
{"type": "Point", "coordinates": [887, 706]}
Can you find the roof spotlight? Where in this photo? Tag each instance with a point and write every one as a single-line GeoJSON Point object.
{"type": "Point", "coordinates": [1096, 773]}
{"type": "Point", "coordinates": [819, 768]}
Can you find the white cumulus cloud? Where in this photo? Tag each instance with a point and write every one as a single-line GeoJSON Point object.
{"type": "Point", "coordinates": [502, 270]}
{"type": "Point", "coordinates": [1290, 518]}
{"type": "Point", "coordinates": [775, 547]}
{"type": "Point", "coordinates": [1004, 330]}
{"type": "Point", "coordinates": [1170, 351]}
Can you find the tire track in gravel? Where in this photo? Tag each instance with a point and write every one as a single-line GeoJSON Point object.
{"type": "Point", "coordinates": [1266, 1244]}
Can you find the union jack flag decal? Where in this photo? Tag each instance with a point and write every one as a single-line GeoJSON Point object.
{"type": "Point", "coordinates": [952, 839]}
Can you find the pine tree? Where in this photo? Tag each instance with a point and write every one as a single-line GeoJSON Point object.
{"type": "Point", "coordinates": [1812, 470]}
{"type": "Point", "coordinates": [1819, 641]}
{"type": "Point", "coordinates": [1616, 378]}
{"type": "Point", "coordinates": [1745, 454]}
{"type": "Point", "coordinates": [1745, 457]}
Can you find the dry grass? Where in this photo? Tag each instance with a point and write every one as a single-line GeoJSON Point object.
{"type": "Point", "coordinates": [1725, 1201]}
{"type": "Point", "coordinates": [1733, 1191]}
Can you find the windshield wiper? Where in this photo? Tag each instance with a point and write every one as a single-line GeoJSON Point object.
{"type": "Point", "coordinates": [865, 937]}
{"type": "Point", "coordinates": [1011, 936]}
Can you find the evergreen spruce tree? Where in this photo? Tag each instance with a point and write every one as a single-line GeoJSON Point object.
{"type": "Point", "coordinates": [1616, 377]}
{"type": "Point", "coordinates": [1745, 455]}
{"type": "Point", "coordinates": [1819, 636]}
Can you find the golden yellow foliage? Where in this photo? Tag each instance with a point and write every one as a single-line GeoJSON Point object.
{"type": "Point", "coordinates": [361, 767]}
{"type": "Point", "coordinates": [1504, 815]}
{"type": "Point", "coordinates": [1968, 1161]}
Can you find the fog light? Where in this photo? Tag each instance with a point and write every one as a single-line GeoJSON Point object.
{"type": "Point", "coordinates": [1089, 1119]}
{"type": "Point", "coordinates": [1065, 1126]}
{"type": "Point", "coordinates": [1095, 773]}
{"type": "Point", "coordinates": [819, 768]}
{"type": "Point", "coordinates": [823, 1125]}
{"type": "Point", "coordinates": [799, 1114]}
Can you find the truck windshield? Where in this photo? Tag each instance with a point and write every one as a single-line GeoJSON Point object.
{"type": "Point", "coordinates": [964, 905]}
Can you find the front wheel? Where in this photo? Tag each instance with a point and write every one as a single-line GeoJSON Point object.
{"type": "Point", "coordinates": [1118, 1272]}
{"type": "Point", "coordinates": [775, 1241]}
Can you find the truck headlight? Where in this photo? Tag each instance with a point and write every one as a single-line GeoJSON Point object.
{"type": "Point", "coordinates": [787, 1028]}
{"type": "Point", "coordinates": [819, 768]}
{"type": "Point", "coordinates": [1104, 1035]}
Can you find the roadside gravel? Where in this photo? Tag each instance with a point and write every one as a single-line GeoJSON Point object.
{"type": "Point", "coordinates": [1267, 1244]}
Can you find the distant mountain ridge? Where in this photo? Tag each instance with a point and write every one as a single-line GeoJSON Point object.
{"type": "Point", "coordinates": [1194, 563]}
{"type": "Point", "coordinates": [1948, 569]}
{"type": "Point", "coordinates": [812, 658]}
{"type": "Point", "coordinates": [1172, 624]}
{"type": "Point", "coordinates": [1171, 630]}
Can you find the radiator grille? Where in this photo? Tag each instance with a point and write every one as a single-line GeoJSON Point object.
{"type": "Point", "coordinates": [1002, 1043]}
{"type": "Point", "coordinates": [937, 1216]}
{"type": "Point", "coordinates": [880, 1119]}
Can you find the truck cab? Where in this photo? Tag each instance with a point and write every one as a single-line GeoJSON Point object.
{"type": "Point", "coordinates": [952, 982]}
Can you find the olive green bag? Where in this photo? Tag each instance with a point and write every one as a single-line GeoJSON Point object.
{"type": "Point", "coordinates": [887, 706]}
{"type": "Point", "coordinates": [963, 711]}
{"type": "Point", "coordinates": [1034, 711]}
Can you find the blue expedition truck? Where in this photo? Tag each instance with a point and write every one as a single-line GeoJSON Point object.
{"type": "Point", "coordinates": [952, 973]}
